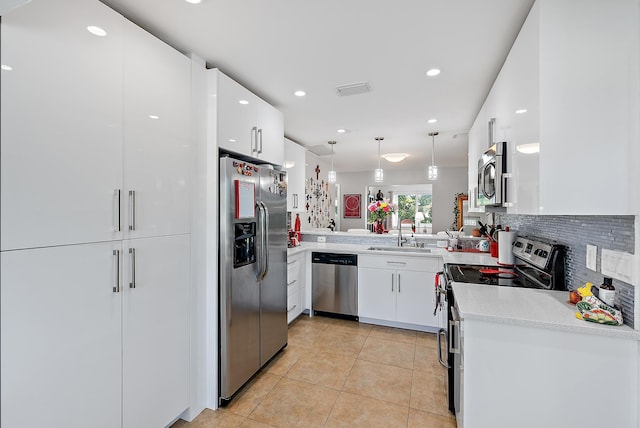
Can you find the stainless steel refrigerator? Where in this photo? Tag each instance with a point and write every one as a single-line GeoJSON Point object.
{"type": "Point", "coordinates": [252, 270]}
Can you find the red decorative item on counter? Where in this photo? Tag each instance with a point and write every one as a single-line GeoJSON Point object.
{"type": "Point", "coordinates": [493, 248]}
{"type": "Point", "coordinates": [378, 226]}
{"type": "Point", "coordinates": [297, 223]}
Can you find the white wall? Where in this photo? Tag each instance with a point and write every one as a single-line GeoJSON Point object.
{"type": "Point", "coordinates": [451, 181]}
{"type": "Point", "coordinates": [311, 161]}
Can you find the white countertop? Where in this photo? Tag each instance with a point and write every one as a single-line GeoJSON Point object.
{"type": "Point", "coordinates": [448, 257]}
{"type": "Point", "coordinates": [506, 305]}
{"type": "Point", "coordinates": [529, 308]}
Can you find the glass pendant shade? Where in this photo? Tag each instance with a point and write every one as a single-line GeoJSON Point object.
{"type": "Point", "coordinates": [332, 172]}
{"type": "Point", "coordinates": [433, 169]}
{"type": "Point", "coordinates": [378, 174]}
{"type": "Point", "coordinates": [433, 172]}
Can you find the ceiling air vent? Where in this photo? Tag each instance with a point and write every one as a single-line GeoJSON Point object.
{"type": "Point", "coordinates": [353, 89]}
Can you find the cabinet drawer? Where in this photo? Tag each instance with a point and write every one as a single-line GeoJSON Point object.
{"type": "Point", "coordinates": [293, 269]}
{"type": "Point", "coordinates": [425, 264]}
{"type": "Point", "coordinates": [293, 286]}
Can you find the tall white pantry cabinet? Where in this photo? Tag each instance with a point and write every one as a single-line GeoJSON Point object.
{"type": "Point", "coordinates": [95, 220]}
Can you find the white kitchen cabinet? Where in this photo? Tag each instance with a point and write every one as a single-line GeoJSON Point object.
{"type": "Point", "coordinates": [397, 290]}
{"type": "Point", "coordinates": [294, 163]}
{"type": "Point", "coordinates": [61, 153]}
{"type": "Point", "coordinates": [376, 293]}
{"type": "Point", "coordinates": [515, 107]}
{"type": "Point", "coordinates": [247, 124]}
{"type": "Point", "coordinates": [296, 287]}
{"type": "Point", "coordinates": [111, 118]}
{"type": "Point", "coordinates": [155, 334]}
{"type": "Point", "coordinates": [581, 113]}
{"type": "Point", "coordinates": [157, 90]}
{"type": "Point", "coordinates": [507, 367]}
{"type": "Point", "coordinates": [477, 144]}
{"type": "Point", "coordinates": [61, 336]}
{"type": "Point", "coordinates": [72, 137]}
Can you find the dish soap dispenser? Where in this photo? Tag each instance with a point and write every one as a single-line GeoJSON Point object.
{"type": "Point", "coordinates": [608, 292]}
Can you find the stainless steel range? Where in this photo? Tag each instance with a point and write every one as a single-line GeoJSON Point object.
{"type": "Point", "coordinates": [539, 264]}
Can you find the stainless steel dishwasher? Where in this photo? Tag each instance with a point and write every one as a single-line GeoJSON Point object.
{"type": "Point", "coordinates": [334, 283]}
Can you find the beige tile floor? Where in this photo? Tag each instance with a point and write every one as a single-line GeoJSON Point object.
{"type": "Point", "coordinates": [338, 373]}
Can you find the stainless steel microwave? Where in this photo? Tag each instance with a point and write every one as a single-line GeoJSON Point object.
{"type": "Point", "coordinates": [492, 189]}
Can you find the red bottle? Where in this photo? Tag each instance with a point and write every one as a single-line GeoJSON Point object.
{"type": "Point", "coordinates": [296, 227]}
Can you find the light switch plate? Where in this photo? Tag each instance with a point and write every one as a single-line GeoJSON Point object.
{"type": "Point", "coordinates": [592, 257]}
{"type": "Point", "coordinates": [322, 239]}
{"type": "Point", "coordinates": [618, 265]}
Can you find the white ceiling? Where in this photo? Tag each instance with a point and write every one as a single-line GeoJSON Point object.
{"type": "Point", "coordinates": [278, 46]}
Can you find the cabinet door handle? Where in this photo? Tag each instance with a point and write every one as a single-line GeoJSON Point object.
{"type": "Point", "coordinates": [292, 261]}
{"type": "Point", "coordinates": [254, 139]}
{"type": "Point", "coordinates": [505, 192]}
{"type": "Point", "coordinates": [116, 214]}
{"type": "Point", "coordinates": [392, 280]}
{"type": "Point", "coordinates": [294, 306]}
{"type": "Point", "coordinates": [398, 283]}
{"type": "Point", "coordinates": [116, 265]}
{"type": "Point", "coordinates": [291, 283]}
{"type": "Point", "coordinates": [260, 138]}
{"type": "Point", "coordinates": [132, 210]}
{"type": "Point", "coordinates": [397, 263]}
{"type": "Point", "coordinates": [132, 256]}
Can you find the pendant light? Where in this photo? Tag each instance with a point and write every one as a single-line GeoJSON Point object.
{"type": "Point", "coordinates": [332, 172]}
{"type": "Point", "coordinates": [433, 169]}
{"type": "Point", "coordinates": [379, 174]}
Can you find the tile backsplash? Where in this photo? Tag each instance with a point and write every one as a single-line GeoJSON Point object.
{"type": "Point", "coordinates": [606, 232]}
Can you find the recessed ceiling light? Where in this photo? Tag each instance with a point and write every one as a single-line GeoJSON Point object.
{"type": "Point", "coordinates": [231, 140]}
{"type": "Point", "coordinates": [243, 102]}
{"type": "Point", "coordinates": [521, 111]}
{"type": "Point", "coordinates": [299, 93]}
{"type": "Point", "coordinates": [433, 72]}
{"type": "Point", "coordinates": [432, 120]}
{"type": "Point", "coordinates": [193, 1]}
{"type": "Point", "coordinates": [6, 67]}
{"type": "Point", "coordinates": [96, 31]}
{"type": "Point", "coordinates": [153, 116]}
{"type": "Point", "coordinates": [342, 131]}
{"type": "Point", "coordinates": [395, 157]}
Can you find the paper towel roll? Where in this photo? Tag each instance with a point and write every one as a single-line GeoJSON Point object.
{"type": "Point", "coordinates": [505, 250]}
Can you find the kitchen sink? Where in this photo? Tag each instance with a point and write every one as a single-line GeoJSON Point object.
{"type": "Point", "coordinates": [401, 249]}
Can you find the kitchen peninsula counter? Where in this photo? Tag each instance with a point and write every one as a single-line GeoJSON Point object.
{"type": "Point", "coordinates": [529, 308]}
{"type": "Point", "coordinates": [447, 256]}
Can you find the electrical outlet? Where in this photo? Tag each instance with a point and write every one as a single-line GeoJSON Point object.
{"type": "Point", "coordinates": [322, 239]}
{"type": "Point", "coordinates": [592, 257]}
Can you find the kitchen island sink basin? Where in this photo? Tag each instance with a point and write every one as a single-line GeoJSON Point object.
{"type": "Point", "coordinates": [401, 249]}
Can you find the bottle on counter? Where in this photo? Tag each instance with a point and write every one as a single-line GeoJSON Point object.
{"type": "Point", "coordinates": [296, 226]}
{"type": "Point", "coordinates": [607, 292]}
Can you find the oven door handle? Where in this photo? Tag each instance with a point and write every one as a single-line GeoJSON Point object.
{"type": "Point", "coordinates": [442, 332]}
{"type": "Point", "coordinates": [454, 323]}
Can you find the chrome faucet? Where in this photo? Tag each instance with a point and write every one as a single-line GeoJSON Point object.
{"type": "Point", "coordinates": [401, 240]}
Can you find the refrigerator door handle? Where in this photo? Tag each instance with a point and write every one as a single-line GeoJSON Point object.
{"type": "Point", "coordinates": [266, 239]}
{"type": "Point", "coordinates": [260, 258]}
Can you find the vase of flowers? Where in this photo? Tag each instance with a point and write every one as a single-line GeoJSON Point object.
{"type": "Point", "coordinates": [378, 211]}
